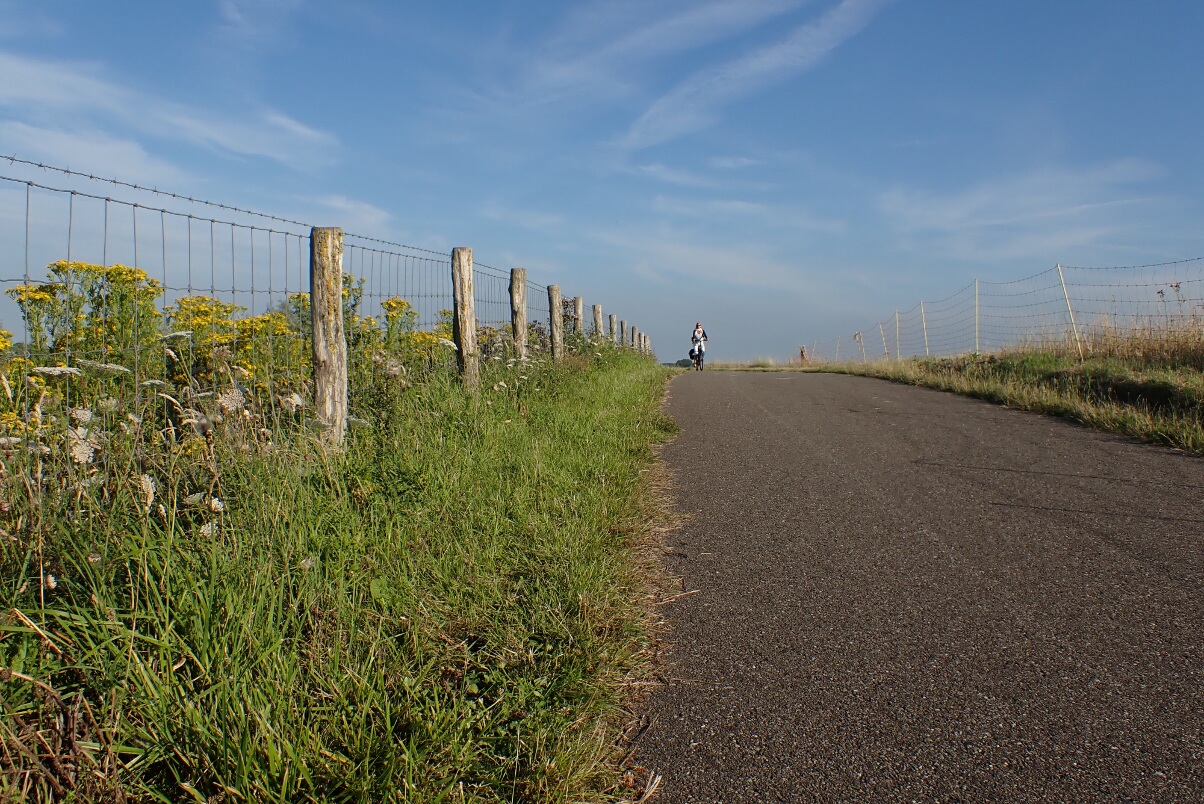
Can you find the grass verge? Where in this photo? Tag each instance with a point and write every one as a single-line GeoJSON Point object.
{"type": "Point", "coordinates": [1157, 401]}
{"type": "Point", "coordinates": [444, 611]}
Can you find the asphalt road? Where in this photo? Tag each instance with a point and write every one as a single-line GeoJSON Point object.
{"type": "Point", "coordinates": [904, 595]}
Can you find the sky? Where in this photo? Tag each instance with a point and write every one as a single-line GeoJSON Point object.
{"type": "Point", "coordinates": [782, 170]}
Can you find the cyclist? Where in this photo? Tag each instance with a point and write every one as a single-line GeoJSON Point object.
{"type": "Point", "coordinates": [699, 338]}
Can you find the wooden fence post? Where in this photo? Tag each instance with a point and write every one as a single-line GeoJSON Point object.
{"type": "Point", "coordinates": [556, 322]}
{"type": "Point", "coordinates": [598, 333]}
{"type": "Point", "coordinates": [614, 327]}
{"type": "Point", "coordinates": [518, 310]}
{"type": "Point", "coordinates": [329, 340]}
{"type": "Point", "coordinates": [635, 338]}
{"type": "Point", "coordinates": [1075, 327]}
{"type": "Point", "coordinates": [578, 315]}
{"type": "Point", "coordinates": [464, 318]}
{"type": "Point", "coordinates": [924, 323]}
{"type": "Point", "coordinates": [648, 344]}
{"type": "Point", "coordinates": [623, 332]}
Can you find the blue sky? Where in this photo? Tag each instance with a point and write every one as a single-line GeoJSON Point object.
{"type": "Point", "coordinates": [783, 170]}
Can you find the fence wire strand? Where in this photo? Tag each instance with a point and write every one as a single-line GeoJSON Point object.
{"type": "Point", "coordinates": [1066, 307]}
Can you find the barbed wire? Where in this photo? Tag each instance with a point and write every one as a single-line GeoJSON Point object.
{"type": "Point", "coordinates": [1130, 267]}
{"type": "Point", "coordinates": [15, 160]}
{"type": "Point", "coordinates": [136, 205]}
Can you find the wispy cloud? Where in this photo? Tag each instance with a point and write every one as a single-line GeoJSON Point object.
{"type": "Point", "coordinates": [695, 103]}
{"type": "Point", "coordinates": [665, 254]}
{"type": "Point", "coordinates": [357, 216]}
{"type": "Point", "coordinates": [609, 42]}
{"type": "Point", "coordinates": [732, 162]}
{"type": "Point", "coordinates": [722, 211]}
{"type": "Point", "coordinates": [252, 20]}
{"type": "Point", "coordinates": [68, 95]}
{"type": "Point", "coordinates": [1041, 214]}
{"type": "Point", "coordinates": [534, 220]}
{"type": "Point", "coordinates": [89, 151]}
{"type": "Point", "coordinates": [23, 22]}
{"type": "Point", "coordinates": [683, 178]}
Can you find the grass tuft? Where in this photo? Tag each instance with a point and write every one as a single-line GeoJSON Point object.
{"type": "Point", "coordinates": [446, 610]}
{"type": "Point", "coordinates": [1147, 385]}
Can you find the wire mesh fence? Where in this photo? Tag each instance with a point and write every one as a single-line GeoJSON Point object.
{"type": "Point", "coordinates": [190, 309]}
{"type": "Point", "coordinates": [1086, 310]}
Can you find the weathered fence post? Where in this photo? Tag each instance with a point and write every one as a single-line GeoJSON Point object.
{"type": "Point", "coordinates": [598, 333]}
{"type": "Point", "coordinates": [976, 316]}
{"type": "Point", "coordinates": [578, 315]}
{"type": "Point", "coordinates": [924, 323]}
{"type": "Point", "coordinates": [329, 340]}
{"type": "Point", "coordinates": [898, 354]}
{"type": "Point", "coordinates": [464, 318]}
{"type": "Point", "coordinates": [614, 327]}
{"type": "Point", "coordinates": [648, 344]}
{"type": "Point", "coordinates": [623, 332]}
{"type": "Point", "coordinates": [1070, 310]}
{"type": "Point", "coordinates": [882, 332]}
{"type": "Point", "coordinates": [556, 322]}
{"type": "Point", "coordinates": [635, 338]}
{"type": "Point", "coordinates": [518, 310]}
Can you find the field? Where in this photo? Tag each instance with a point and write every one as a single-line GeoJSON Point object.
{"type": "Point", "coordinates": [204, 602]}
{"type": "Point", "coordinates": [1147, 383]}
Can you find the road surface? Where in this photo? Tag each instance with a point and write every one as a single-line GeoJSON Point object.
{"type": "Point", "coordinates": [907, 595]}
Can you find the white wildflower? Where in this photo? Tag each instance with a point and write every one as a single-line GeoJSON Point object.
{"type": "Point", "coordinates": [94, 557]}
{"type": "Point", "coordinates": [57, 371]}
{"type": "Point", "coordinates": [446, 342]}
{"type": "Point", "coordinates": [103, 368]}
{"type": "Point", "coordinates": [80, 446]}
{"type": "Point", "coordinates": [207, 530]}
{"type": "Point", "coordinates": [308, 563]}
{"type": "Point", "coordinates": [81, 415]}
{"type": "Point", "coordinates": [106, 404]}
{"type": "Point", "coordinates": [10, 441]}
{"type": "Point", "coordinates": [154, 384]}
{"type": "Point", "coordinates": [167, 351]}
{"type": "Point", "coordinates": [231, 401]}
{"type": "Point", "coordinates": [148, 488]}
{"type": "Point", "coordinates": [293, 402]}
{"type": "Point", "coordinates": [216, 505]}
{"type": "Point", "coordinates": [162, 511]}
{"type": "Point", "coordinates": [194, 499]}
{"type": "Point", "coordinates": [51, 581]}
{"type": "Point", "coordinates": [501, 385]}
{"type": "Point", "coordinates": [184, 333]}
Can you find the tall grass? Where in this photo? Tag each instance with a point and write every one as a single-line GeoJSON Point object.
{"type": "Point", "coordinates": [442, 611]}
{"type": "Point", "coordinates": [1142, 381]}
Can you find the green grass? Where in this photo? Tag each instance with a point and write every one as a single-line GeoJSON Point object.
{"type": "Point", "coordinates": [444, 611]}
{"type": "Point", "coordinates": [1147, 394]}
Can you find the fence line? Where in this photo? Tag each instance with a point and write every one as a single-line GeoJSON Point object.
{"type": "Point", "coordinates": [1071, 307]}
{"type": "Point", "coordinates": [112, 294]}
